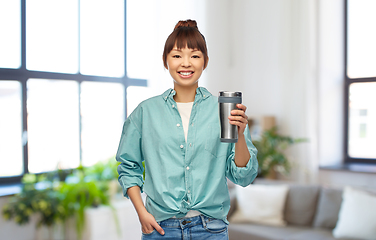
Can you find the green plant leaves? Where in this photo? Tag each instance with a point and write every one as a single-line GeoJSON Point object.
{"type": "Point", "coordinates": [56, 200]}
{"type": "Point", "coordinates": [271, 148]}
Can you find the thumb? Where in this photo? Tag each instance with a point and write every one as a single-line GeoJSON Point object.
{"type": "Point", "coordinates": [158, 228]}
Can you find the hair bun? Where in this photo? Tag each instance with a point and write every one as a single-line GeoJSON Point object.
{"type": "Point", "coordinates": [186, 23]}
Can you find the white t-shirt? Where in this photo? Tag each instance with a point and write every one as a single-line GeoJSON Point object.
{"type": "Point", "coordinates": [185, 114]}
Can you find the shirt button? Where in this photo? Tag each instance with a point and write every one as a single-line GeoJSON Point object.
{"type": "Point", "coordinates": [192, 124]}
{"type": "Point", "coordinates": [190, 144]}
{"type": "Point", "coordinates": [189, 191]}
{"type": "Point", "coordinates": [181, 146]}
{"type": "Point", "coordinates": [204, 95]}
{"type": "Point", "coordinates": [178, 125]}
{"type": "Point", "coordinates": [187, 168]}
{"type": "Point", "coordinates": [173, 105]}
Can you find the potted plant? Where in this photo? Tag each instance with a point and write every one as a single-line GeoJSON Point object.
{"type": "Point", "coordinates": [45, 203]}
{"type": "Point", "coordinates": [81, 195]}
{"type": "Point", "coordinates": [105, 171]}
{"type": "Point", "coordinates": [271, 156]}
{"type": "Point", "coordinates": [90, 189]}
{"type": "Point", "coordinates": [56, 201]}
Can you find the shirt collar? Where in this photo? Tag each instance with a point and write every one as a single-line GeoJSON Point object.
{"type": "Point", "coordinates": [200, 91]}
{"type": "Point", "coordinates": [203, 92]}
{"type": "Point", "coordinates": [168, 94]}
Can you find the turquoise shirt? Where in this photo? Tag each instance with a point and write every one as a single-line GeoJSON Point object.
{"type": "Point", "coordinates": [179, 175]}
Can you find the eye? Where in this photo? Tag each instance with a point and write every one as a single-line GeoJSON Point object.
{"type": "Point", "coordinates": [176, 56]}
{"type": "Point", "coordinates": [196, 56]}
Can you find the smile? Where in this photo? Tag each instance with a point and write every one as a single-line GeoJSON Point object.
{"type": "Point", "coordinates": [185, 73]}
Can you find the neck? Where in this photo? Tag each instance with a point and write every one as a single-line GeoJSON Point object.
{"type": "Point", "coordinates": [185, 94]}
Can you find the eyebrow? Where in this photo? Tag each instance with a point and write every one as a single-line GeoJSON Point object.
{"type": "Point", "coordinates": [179, 50]}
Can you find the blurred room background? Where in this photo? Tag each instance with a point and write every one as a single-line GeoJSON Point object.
{"type": "Point", "coordinates": [71, 71]}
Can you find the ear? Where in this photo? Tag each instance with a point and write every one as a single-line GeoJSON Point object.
{"type": "Point", "coordinates": [207, 61]}
{"type": "Point", "coordinates": [165, 63]}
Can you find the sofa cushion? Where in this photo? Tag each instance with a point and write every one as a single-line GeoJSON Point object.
{"type": "Point", "coordinates": [315, 234]}
{"type": "Point", "coordinates": [260, 204]}
{"type": "Point", "coordinates": [329, 203]}
{"type": "Point", "coordinates": [301, 204]}
{"type": "Point", "coordinates": [357, 215]}
{"type": "Point", "coordinates": [261, 232]}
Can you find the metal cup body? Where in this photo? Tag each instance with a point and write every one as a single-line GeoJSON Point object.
{"type": "Point", "coordinates": [227, 102]}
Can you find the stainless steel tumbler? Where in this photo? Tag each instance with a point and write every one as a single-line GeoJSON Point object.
{"type": "Point", "coordinates": [227, 102]}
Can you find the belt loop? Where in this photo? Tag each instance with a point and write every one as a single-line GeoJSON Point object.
{"type": "Point", "coordinates": [203, 221]}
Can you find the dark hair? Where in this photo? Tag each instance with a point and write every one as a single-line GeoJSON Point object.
{"type": "Point", "coordinates": [185, 34]}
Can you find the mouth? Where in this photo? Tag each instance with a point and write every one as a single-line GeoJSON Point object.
{"type": "Point", "coordinates": [185, 74]}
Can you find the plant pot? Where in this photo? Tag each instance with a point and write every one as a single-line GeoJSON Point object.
{"type": "Point", "coordinates": [272, 174]}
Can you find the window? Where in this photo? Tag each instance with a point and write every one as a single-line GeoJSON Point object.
{"type": "Point", "coordinates": [10, 28]}
{"type": "Point", "coordinates": [360, 88]}
{"type": "Point", "coordinates": [53, 124]}
{"type": "Point", "coordinates": [102, 116]}
{"type": "Point", "coordinates": [63, 84]}
{"type": "Point", "coordinates": [52, 45]}
{"type": "Point", "coordinates": [11, 162]}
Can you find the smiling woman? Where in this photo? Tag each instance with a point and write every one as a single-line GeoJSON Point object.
{"type": "Point", "coordinates": [171, 138]}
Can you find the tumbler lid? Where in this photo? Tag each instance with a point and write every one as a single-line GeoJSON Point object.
{"type": "Point", "coordinates": [230, 97]}
{"type": "Point", "coordinates": [230, 94]}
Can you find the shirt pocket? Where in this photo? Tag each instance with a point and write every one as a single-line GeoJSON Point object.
{"type": "Point", "coordinates": [213, 144]}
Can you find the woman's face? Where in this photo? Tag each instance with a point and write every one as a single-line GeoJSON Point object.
{"type": "Point", "coordinates": [185, 66]}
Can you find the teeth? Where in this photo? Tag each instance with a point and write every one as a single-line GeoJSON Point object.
{"type": "Point", "coordinates": [185, 73]}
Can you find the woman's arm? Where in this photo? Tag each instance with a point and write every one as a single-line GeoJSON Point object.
{"type": "Point", "coordinates": [239, 119]}
{"type": "Point", "coordinates": [148, 223]}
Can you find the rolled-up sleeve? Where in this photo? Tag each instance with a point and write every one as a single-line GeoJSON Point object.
{"type": "Point", "coordinates": [243, 176]}
{"type": "Point", "coordinates": [129, 155]}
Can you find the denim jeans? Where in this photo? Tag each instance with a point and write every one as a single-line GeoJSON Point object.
{"type": "Point", "coordinates": [195, 228]}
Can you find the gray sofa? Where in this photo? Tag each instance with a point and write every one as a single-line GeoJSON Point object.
{"type": "Point", "coordinates": [311, 213]}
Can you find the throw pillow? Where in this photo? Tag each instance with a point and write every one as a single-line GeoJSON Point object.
{"type": "Point", "coordinates": [301, 204]}
{"type": "Point", "coordinates": [328, 208]}
{"type": "Point", "coordinates": [262, 204]}
{"type": "Point", "coordinates": [357, 215]}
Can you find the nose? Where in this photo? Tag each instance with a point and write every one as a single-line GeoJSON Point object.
{"type": "Point", "coordinates": [186, 62]}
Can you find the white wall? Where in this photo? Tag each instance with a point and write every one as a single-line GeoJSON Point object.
{"type": "Point", "coordinates": [267, 50]}
{"type": "Point", "coordinates": [286, 56]}
{"type": "Point", "coordinates": [244, 41]}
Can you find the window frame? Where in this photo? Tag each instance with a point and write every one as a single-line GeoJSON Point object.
{"type": "Point", "coordinates": [348, 81]}
{"type": "Point", "coordinates": [22, 75]}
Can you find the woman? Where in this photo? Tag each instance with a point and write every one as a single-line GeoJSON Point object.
{"type": "Point", "coordinates": [177, 134]}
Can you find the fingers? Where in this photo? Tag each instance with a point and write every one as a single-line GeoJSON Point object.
{"type": "Point", "coordinates": [151, 227]}
{"type": "Point", "coordinates": [239, 118]}
{"type": "Point", "coordinates": [148, 224]}
{"type": "Point", "coordinates": [241, 107]}
{"type": "Point", "coordinates": [147, 230]}
{"type": "Point", "coordinates": [158, 228]}
{"type": "Point", "coordinates": [239, 114]}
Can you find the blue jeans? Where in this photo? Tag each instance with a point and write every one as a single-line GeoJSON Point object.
{"type": "Point", "coordinates": [195, 228]}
